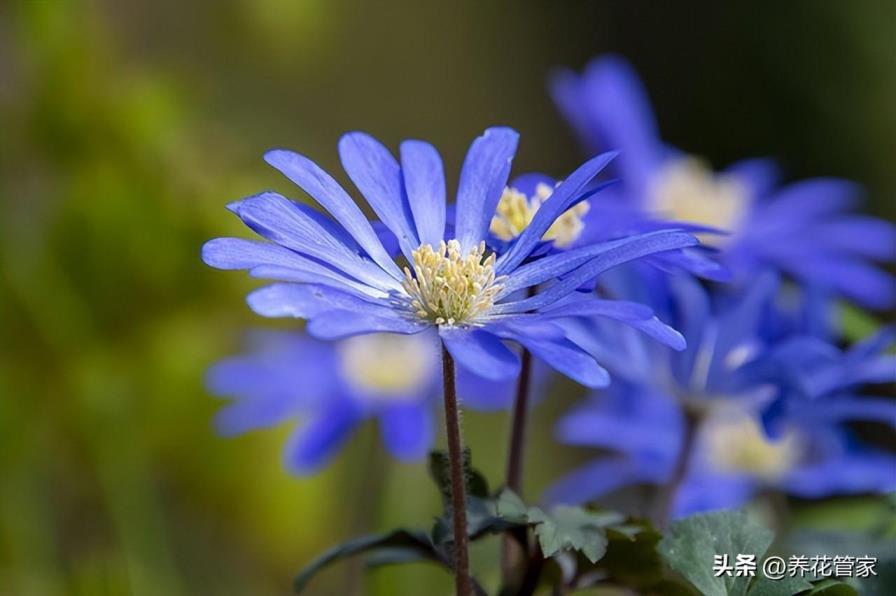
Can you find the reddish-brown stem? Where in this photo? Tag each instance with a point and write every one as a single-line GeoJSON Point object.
{"type": "Point", "coordinates": [456, 474]}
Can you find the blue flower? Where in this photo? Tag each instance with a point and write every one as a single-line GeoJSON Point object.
{"type": "Point", "coordinates": [734, 372]}
{"type": "Point", "coordinates": [331, 388]}
{"type": "Point", "coordinates": [806, 229]}
{"type": "Point", "coordinates": [390, 378]}
{"type": "Point", "coordinates": [342, 279]}
{"type": "Point", "coordinates": [733, 459]}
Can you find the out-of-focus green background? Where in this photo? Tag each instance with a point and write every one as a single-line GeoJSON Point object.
{"type": "Point", "coordinates": [126, 126]}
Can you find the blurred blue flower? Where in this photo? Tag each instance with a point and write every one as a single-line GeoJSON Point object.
{"type": "Point", "coordinates": [733, 459]}
{"type": "Point", "coordinates": [344, 282]}
{"type": "Point", "coordinates": [806, 229]}
{"type": "Point", "coordinates": [734, 372]}
{"type": "Point", "coordinates": [331, 388]}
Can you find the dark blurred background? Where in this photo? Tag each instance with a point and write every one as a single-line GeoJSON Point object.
{"type": "Point", "coordinates": [125, 127]}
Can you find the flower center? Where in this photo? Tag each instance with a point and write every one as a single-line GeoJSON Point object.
{"type": "Point", "coordinates": [736, 444]}
{"type": "Point", "coordinates": [388, 365]}
{"type": "Point", "coordinates": [687, 190]}
{"type": "Point", "coordinates": [516, 210]}
{"type": "Point", "coordinates": [448, 288]}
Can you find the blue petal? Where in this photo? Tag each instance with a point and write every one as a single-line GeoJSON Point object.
{"type": "Point", "coordinates": [307, 301]}
{"type": "Point", "coordinates": [407, 430]}
{"type": "Point", "coordinates": [642, 246]}
{"type": "Point", "coordinates": [563, 197]}
{"type": "Point", "coordinates": [558, 352]}
{"type": "Point", "coordinates": [867, 237]}
{"type": "Point", "coordinates": [622, 117]}
{"type": "Point", "coordinates": [312, 446]}
{"type": "Point", "coordinates": [879, 409]}
{"type": "Point", "coordinates": [377, 175]}
{"type": "Point", "coordinates": [270, 261]}
{"type": "Point", "coordinates": [482, 182]}
{"type": "Point", "coordinates": [598, 478]}
{"type": "Point", "coordinates": [866, 472]}
{"type": "Point", "coordinates": [561, 263]}
{"type": "Point", "coordinates": [481, 353]}
{"type": "Point", "coordinates": [759, 176]}
{"type": "Point", "coordinates": [279, 220]}
{"type": "Point", "coordinates": [621, 310]}
{"type": "Point", "coordinates": [327, 192]}
{"type": "Point", "coordinates": [711, 492]}
{"type": "Point", "coordinates": [424, 180]}
{"type": "Point", "coordinates": [338, 324]}
{"type": "Point", "coordinates": [808, 199]}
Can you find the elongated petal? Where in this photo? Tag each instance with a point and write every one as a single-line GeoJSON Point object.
{"type": "Point", "coordinates": [481, 353]}
{"type": "Point", "coordinates": [316, 274]}
{"type": "Point", "coordinates": [482, 180]}
{"type": "Point", "coordinates": [598, 478]}
{"type": "Point", "coordinates": [659, 242]}
{"type": "Point", "coordinates": [271, 261]}
{"type": "Point", "coordinates": [332, 197]}
{"type": "Point", "coordinates": [560, 200]}
{"type": "Point", "coordinates": [306, 301]}
{"type": "Point", "coordinates": [621, 310]}
{"type": "Point", "coordinates": [279, 220]}
{"type": "Point", "coordinates": [864, 472]}
{"type": "Point", "coordinates": [377, 175]}
{"type": "Point", "coordinates": [560, 264]}
{"type": "Point", "coordinates": [802, 201]}
{"type": "Point", "coordinates": [337, 324]}
{"type": "Point", "coordinates": [315, 444]}
{"type": "Point", "coordinates": [424, 181]}
{"type": "Point", "coordinates": [622, 118]}
{"type": "Point", "coordinates": [561, 354]}
{"type": "Point", "coordinates": [407, 430]}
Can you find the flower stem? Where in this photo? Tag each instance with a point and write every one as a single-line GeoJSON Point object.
{"type": "Point", "coordinates": [667, 496]}
{"type": "Point", "coordinates": [518, 425]}
{"type": "Point", "coordinates": [456, 474]}
{"type": "Point", "coordinates": [513, 547]}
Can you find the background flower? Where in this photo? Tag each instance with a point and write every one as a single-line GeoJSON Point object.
{"type": "Point", "coordinates": [807, 229]}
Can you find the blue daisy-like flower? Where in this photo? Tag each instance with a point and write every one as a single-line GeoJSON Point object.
{"type": "Point", "coordinates": [737, 379]}
{"type": "Point", "coordinates": [388, 378]}
{"type": "Point", "coordinates": [807, 229]}
{"type": "Point", "coordinates": [732, 461]}
{"type": "Point", "coordinates": [342, 279]}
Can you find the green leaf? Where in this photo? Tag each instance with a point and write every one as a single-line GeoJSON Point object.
{"type": "Point", "coordinates": [403, 540]}
{"type": "Point", "coordinates": [573, 528]}
{"type": "Point", "coordinates": [632, 558]}
{"type": "Point", "coordinates": [477, 485]}
{"type": "Point", "coordinates": [691, 545]}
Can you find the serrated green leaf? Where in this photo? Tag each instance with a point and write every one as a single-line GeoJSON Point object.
{"type": "Point", "coordinates": [691, 545]}
{"type": "Point", "coordinates": [572, 528]}
{"type": "Point", "coordinates": [510, 506]}
{"type": "Point", "coordinates": [404, 540]}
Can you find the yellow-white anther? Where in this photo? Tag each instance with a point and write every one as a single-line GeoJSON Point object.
{"type": "Point", "coordinates": [448, 288]}
{"type": "Point", "coordinates": [388, 365]}
{"type": "Point", "coordinates": [516, 210]}
{"type": "Point", "coordinates": [687, 190]}
{"type": "Point", "coordinates": [737, 444]}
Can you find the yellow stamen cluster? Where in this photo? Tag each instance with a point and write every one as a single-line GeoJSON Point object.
{"type": "Point", "coordinates": [516, 210]}
{"type": "Point", "coordinates": [448, 288]}
{"type": "Point", "coordinates": [736, 444]}
{"type": "Point", "coordinates": [387, 365]}
{"type": "Point", "coordinates": [688, 190]}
